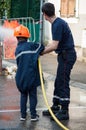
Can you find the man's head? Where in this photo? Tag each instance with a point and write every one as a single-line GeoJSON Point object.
{"type": "Point", "coordinates": [48, 9]}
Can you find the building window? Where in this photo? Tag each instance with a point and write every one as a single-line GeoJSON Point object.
{"type": "Point", "coordinates": [68, 8]}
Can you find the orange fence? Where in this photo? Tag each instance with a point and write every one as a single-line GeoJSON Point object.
{"type": "Point", "coordinates": [9, 46]}
{"type": "Point", "coordinates": [10, 42]}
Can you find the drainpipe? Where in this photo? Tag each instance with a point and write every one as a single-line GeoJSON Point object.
{"type": "Point", "coordinates": [41, 23]}
{"type": "Point", "coordinates": [1, 57]}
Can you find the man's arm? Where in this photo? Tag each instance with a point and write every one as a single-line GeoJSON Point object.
{"type": "Point", "coordinates": [50, 47]}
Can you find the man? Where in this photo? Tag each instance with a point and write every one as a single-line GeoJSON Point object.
{"type": "Point", "coordinates": [63, 45]}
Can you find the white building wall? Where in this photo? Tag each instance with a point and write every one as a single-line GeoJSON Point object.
{"type": "Point", "coordinates": [82, 7]}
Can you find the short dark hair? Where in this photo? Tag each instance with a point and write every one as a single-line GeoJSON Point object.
{"type": "Point", "coordinates": [21, 38]}
{"type": "Point", "coordinates": [49, 9]}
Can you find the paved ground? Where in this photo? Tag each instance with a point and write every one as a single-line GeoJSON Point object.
{"type": "Point", "coordinates": [49, 64]}
{"type": "Point", "coordinates": [9, 100]}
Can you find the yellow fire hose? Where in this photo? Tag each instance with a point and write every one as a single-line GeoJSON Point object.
{"type": "Point", "coordinates": [44, 95]}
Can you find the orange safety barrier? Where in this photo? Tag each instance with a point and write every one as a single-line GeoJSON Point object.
{"type": "Point", "coordinates": [9, 47]}
{"type": "Point", "coordinates": [10, 42]}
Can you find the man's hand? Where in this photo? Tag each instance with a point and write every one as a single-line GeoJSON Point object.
{"type": "Point", "coordinates": [50, 47]}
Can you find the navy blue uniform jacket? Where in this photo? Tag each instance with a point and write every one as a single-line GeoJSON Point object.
{"type": "Point", "coordinates": [27, 75]}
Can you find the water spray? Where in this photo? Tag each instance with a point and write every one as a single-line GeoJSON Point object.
{"type": "Point", "coordinates": [5, 32]}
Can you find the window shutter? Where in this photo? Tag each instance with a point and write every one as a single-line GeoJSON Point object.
{"type": "Point", "coordinates": [67, 8]}
{"type": "Point", "coordinates": [71, 10]}
{"type": "Point", "coordinates": [64, 8]}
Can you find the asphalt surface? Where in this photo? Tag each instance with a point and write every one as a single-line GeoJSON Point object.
{"type": "Point", "coordinates": [78, 73]}
{"type": "Point", "coordinates": [9, 99]}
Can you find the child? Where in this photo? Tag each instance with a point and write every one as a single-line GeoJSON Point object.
{"type": "Point", "coordinates": [27, 75]}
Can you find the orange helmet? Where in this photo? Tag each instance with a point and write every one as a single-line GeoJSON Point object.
{"type": "Point", "coordinates": [21, 31]}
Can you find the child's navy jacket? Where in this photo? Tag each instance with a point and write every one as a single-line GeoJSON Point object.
{"type": "Point", "coordinates": [27, 75]}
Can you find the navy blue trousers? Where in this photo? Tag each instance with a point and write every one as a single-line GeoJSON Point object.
{"type": "Point", "coordinates": [32, 93]}
{"type": "Point", "coordinates": [61, 95]}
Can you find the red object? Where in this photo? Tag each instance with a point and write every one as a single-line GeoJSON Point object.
{"type": "Point", "coordinates": [9, 47]}
{"type": "Point", "coordinates": [12, 24]}
{"type": "Point", "coordinates": [10, 43]}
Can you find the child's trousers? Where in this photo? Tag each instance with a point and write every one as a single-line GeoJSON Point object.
{"type": "Point", "coordinates": [32, 93]}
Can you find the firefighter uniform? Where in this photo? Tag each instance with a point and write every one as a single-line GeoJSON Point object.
{"type": "Point", "coordinates": [27, 75]}
{"type": "Point", "coordinates": [66, 59]}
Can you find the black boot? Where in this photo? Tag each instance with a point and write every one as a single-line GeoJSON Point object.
{"type": "Point", "coordinates": [62, 115]}
{"type": "Point", "coordinates": [54, 109]}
